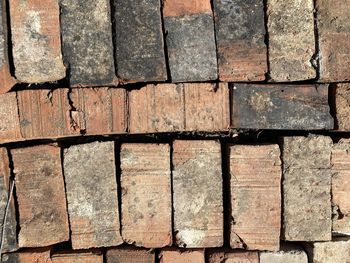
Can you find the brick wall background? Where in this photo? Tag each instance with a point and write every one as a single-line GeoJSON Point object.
{"type": "Point", "coordinates": [171, 131]}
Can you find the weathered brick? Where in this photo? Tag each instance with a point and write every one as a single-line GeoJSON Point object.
{"type": "Point", "coordinates": [190, 40]}
{"type": "Point", "coordinates": [286, 107]}
{"type": "Point", "coordinates": [77, 258]}
{"type": "Point", "coordinates": [87, 42]}
{"type": "Point", "coordinates": [232, 257]}
{"type": "Point", "coordinates": [45, 114]}
{"type": "Point", "coordinates": [181, 256]}
{"type": "Point", "coordinates": [307, 188]}
{"type": "Point", "coordinates": [255, 196]}
{"type": "Point", "coordinates": [92, 195]}
{"type": "Point", "coordinates": [342, 106]}
{"type": "Point", "coordinates": [291, 39]}
{"type": "Point", "coordinates": [288, 253]}
{"type": "Point", "coordinates": [6, 80]}
{"type": "Point", "coordinates": [337, 251]}
{"type": "Point", "coordinates": [41, 197]}
{"type": "Point", "coordinates": [36, 39]}
{"type": "Point", "coordinates": [9, 119]}
{"type": "Point", "coordinates": [10, 229]}
{"type": "Point", "coordinates": [333, 23]}
{"type": "Point", "coordinates": [181, 107]}
{"type": "Point", "coordinates": [139, 41]}
{"type": "Point", "coordinates": [38, 255]}
{"type": "Point", "coordinates": [127, 255]}
{"type": "Point", "coordinates": [340, 162]}
{"type": "Point", "coordinates": [99, 110]}
{"type": "Point", "coordinates": [197, 194]}
{"type": "Point", "coordinates": [146, 195]}
{"type": "Point", "coordinates": [240, 36]}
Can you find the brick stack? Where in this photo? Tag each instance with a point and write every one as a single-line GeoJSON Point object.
{"type": "Point", "coordinates": [174, 131]}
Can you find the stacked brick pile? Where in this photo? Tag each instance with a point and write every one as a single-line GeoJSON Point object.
{"type": "Point", "coordinates": [175, 131]}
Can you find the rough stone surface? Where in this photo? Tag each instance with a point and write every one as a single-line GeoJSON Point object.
{"type": "Point", "coordinates": [307, 188]}
{"type": "Point", "coordinates": [240, 36]}
{"type": "Point", "coordinates": [178, 256]}
{"type": "Point", "coordinates": [333, 22]}
{"type": "Point", "coordinates": [87, 42]}
{"type": "Point", "coordinates": [41, 196]}
{"type": "Point", "coordinates": [340, 162]}
{"type": "Point", "coordinates": [99, 110]}
{"type": "Point", "coordinates": [9, 119]}
{"type": "Point", "coordinates": [287, 254]}
{"type": "Point", "coordinates": [139, 41]}
{"type": "Point", "coordinates": [129, 255]}
{"type": "Point", "coordinates": [77, 258]}
{"type": "Point", "coordinates": [342, 106]}
{"type": "Point", "coordinates": [36, 40]}
{"type": "Point", "coordinates": [327, 252]}
{"type": "Point", "coordinates": [255, 196]}
{"type": "Point", "coordinates": [228, 256]}
{"type": "Point", "coordinates": [181, 107]}
{"type": "Point", "coordinates": [286, 107]}
{"type": "Point", "coordinates": [92, 195]}
{"type": "Point", "coordinates": [190, 40]}
{"type": "Point", "coordinates": [146, 195]}
{"type": "Point", "coordinates": [291, 39]}
{"type": "Point", "coordinates": [197, 194]}
{"type": "Point", "coordinates": [38, 255]}
{"type": "Point", "coordinates": [10, 238]}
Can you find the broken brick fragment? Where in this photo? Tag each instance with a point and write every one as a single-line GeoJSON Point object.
{"type": "Point", "coordinates": [127, 255]}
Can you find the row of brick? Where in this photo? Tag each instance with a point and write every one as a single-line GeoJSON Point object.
{"type": "Point", "coordinates": [319, 252]}
{"type": "Point", "coordinates": [234, 49]}
{"type": "Point", "coordinates": [178, 200]}
{"type": "Point", "coordinates": [203, 107]}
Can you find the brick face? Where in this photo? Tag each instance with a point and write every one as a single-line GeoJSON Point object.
{"type": "Point", "coordinates": [36, 40]}
{"type": "Point", "coordinates": [77, 258]}
{"type": "Point", "coordinates": [337, 251]}
{"type": "Point", "coordinates": [41, 196]}
{"type": "Point", "coordinates": [146, 195]}
{"type": "Point", "coordinates": [41, 255]}
{"type": "Point", "coordinates": [197, 194]}
{"type": "Point", "coordinates": [342, 106]}
{"type": "Point", "coordinates": [288, 253]}
{"type": "Point", "coordinates": [177, 256]}
{"type": "Point", "coordinates": [9, 119]}
{"type": "Point", "coordinates": [129, 255]}
{"type": "Point", "coordinates": [232, 257]}
{"type": "Point", "coordinates": [255, 196]}
{"type": "Point", "coordinates": [92, 195]}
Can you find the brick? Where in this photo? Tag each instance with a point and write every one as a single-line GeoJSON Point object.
{"type": "Point", "coordinates": [337, 251]}
{"type": "Point", "coordinates": [92, 195]}
{"type": "Point", "coordinates": [38, 255]}
{"type": "Point", "coordinates": [288, 253]}
{"type": "Point", "coordinates": [87, 42]}
{"type": "Point", "coordinates": [179, 256]}
{"type": "Point", "coordinates": [255, 196]}
{"type": "Point", "coordinates": [9, 119]}
{"type": "Point", "coordinates": [228, 256]}
{"type": "Point", "coordinates": [285, 107]}
{"type": "Point", "coordinates": [291, 40]}
{"type": "Point", "coordinates": [9, 235]}
{"type": "Point", "coordinates": [99, 110]}
{"type": "Point", "coordinates": [340, 162]}
{"type": "Point", "coordinates": [36, 39]}
{"type": "Point", "coordinates": [6, 80]}
{"type": "Point", "coordinates": [307, 188]}
{"type": "Point", "coordinates": [43, 218]}
{"type": "Point", "coordinates": [139, 41]}
{"type": "Point", "coordinates": [181, 107]}
{"type": "Point", "coordinates": [240, 37]}
{"type": "Point", "coordinates": [77, 258]}
{"type": "Point", "coordinates": [146, 195]}
{"type": "Point", "coordinates": [333, 22]}
{"type": "Point", "coordinates": [45, 114]}
{"type": "Point", "coordinates": [190, 40]}
{"type": "Point", "coordinates": [129, 255]}
{"type": "Point", "coordinates": [342, 106]}
{"type": "Point", "coordinates": [197, 194]}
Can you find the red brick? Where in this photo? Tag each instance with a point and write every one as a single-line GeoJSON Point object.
{"type": "Point", "coordinates": [197, 194]}
{"type": "Point", "coordinates": [100, 110]}
{"type": "Point", "coordinates": [38, 255]}
{"type": "Point", "coordinates": [183, 7]}
{"type": "Point", "coordinates": [146, 194]}
{"type": "Point", "coordinates": [127, 255]}
{"type": "Point", "coordinates": [181, 256]}
{"type": "Point", "coordinates": [342, 106]}
{"type": "Point", "coordinates": [92, 207]}
{"type": "Point", "coordinates": [255, 196]}
{"type": "Point", "coordinates": [333, 24]}
{"type": "Point", "coordinates": [233, 257]}
{"type": "Point", "coordinates": [41, 197]}
{"type": "Point", "coordinates": [35, 29]}
{"type": "Point", "coordinates": [77, 258]}
{"type": "Point", "coordinates": [9, 119]}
